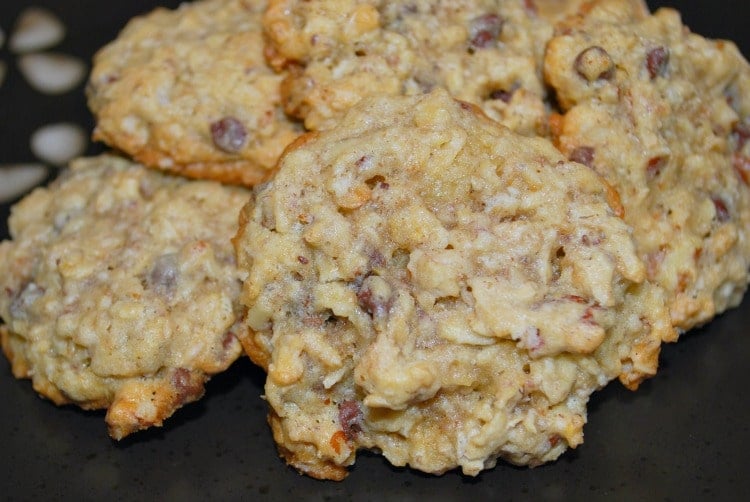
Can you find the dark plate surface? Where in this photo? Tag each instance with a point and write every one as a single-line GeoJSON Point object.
{"type": "Point", "coordinates": [684, 434]}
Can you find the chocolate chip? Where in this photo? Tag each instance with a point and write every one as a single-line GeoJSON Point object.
{"type": "Point", "coordinates": [592, 240]}
{"type": "Point", "coordinates": [722, 213]}
{"type": "Point", "coordinates": [350, 418]}
{"type": "Point", "coordinates": [654, 166]}
{"type": "Point", "coordinates": [741, 133]}
{"type": "Point", "coordinates": [484, 30]}
{"type": "Point", "coordinates": [20, 304]}
{"type": "Point", "coordinates": [657, 61]}
{"type": "Point", "coordinates": [502, 95]}
{"type": "Point", "coordinates": [229, 134]}
{"type": "Point", "coordinates": [583, 155]}
{"type": "Point", "coordinates": [188, 386]}
{"type": "Point", "coordinates": [374, 296]}
{"type": "Point", "coordinates": [364, 162]}
{"type": "Point", "coordinates": [228, 341]}
{"type": "Point", "coordinates": [164, 274]}
{"type": "Point", "coordinates": [594, 64]}
{"type": "Point", "coordinates": [741, 165]}
{"type": "Point", "coordinates": [376, 257]}
{"type": "Point", "coordinates": [375, 181]}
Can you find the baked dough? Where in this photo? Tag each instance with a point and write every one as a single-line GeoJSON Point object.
{"type": "Point", "coordinates": [119, 289]}
{"type": "Point", "coordinates": [663, 115]}
{"type": "Point", "coordinates": [188, 91]}
{"type": "Point", "coordinates": [487, 52]}
{"type": "Point", "coordinates": [422, 282]}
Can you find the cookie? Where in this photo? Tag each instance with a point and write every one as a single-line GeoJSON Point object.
{"type": "Point", "coordinates": [557, 10]}
{"type": "Point", "coordinates": [188, 91]}
{"type": "Point", "coordinates": [425, 283]}
{"type": "Point", "coordinates": [663, 115]}
{"type": "Point", "coordinates": [120, 289]}
{"type": "Point", "coordinates": [487, 52]}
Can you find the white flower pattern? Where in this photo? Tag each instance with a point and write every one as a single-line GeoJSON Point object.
{"type": "Point", "coordinates": [37, 30]}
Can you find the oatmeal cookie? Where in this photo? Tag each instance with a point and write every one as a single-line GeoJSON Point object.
{"type": "Point", "coordinates": [557, 10]}
{"type": "Point", "coordinates": [120, 289]}
{"type": "Point", "coordinates": [487, 52]}
{"type": "Point", "coordinates": [664, 115]}
{"type": "Point", "coordinates": [189, 91]}
{"type": "Point", "coordinates": [422, 282]}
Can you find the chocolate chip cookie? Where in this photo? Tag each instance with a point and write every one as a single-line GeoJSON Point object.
{"type": "Point", "coordinates": [119, 289]}
{"type": "Point", "coordinates": [487, 52]}
{"type": "Point", "coordinates": [425, 283]}
{"type": "Point", "coordinates": [664, 115]}
{"type": "Point", "coordinates": [188, 91]}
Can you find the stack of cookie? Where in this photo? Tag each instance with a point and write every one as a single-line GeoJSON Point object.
{"type": "Point", "coordinates": [438, 226]}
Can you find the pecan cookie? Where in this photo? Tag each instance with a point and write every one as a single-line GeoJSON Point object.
{"type": "Point", "coordinates": [422, 282]}
{"type": "Point", "coordinates": [189, 91]}
{"type": "Point", "coordinates": [487, 52]}
{"type": "Point", "coordinates": [663, 114]}
{"type": "Point", "coordinates": [120, 289]}
{"type": "Point", "coordinates": [557, 10]}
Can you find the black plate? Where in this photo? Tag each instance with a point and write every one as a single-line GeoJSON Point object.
{"type": "Point", "coordinates": [684, 434]}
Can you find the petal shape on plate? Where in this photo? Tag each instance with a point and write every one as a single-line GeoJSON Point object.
{"type": "Point", "coordinates": [17, 179]}
{"type": "Point", "coordinates": [58, 143]}
{"type": "Point", "coordinates": [52, 73]}
{"type": "Point", "coordinates": [36, 29]}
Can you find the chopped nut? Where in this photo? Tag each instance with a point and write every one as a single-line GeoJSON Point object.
{"type": "Point", "coordinates": [350, 418]}
{"type": "Point", "coordinates": [583, 155]}
{"type": "Point", "coordinates": [594, 64]}
{"type": "Point", "coordinates": [657, 61]}
{"type": "Point", "coordinates": [485, 29]}
{"type": "Point", "coordinates": [654, 166]}
{"type": "Point", "coordinates": [722, 212]}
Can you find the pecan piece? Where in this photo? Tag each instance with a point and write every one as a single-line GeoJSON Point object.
{"type": "Point", "coordinates": [656, 62]}
{"type": "Point", "coordinates": [594, 64]}
{"type": "Point", "coordinates": [188, 386]}
{"type": "Point", "coordinates": [583, 155]}
{"type": "Point", "coordinates": [374, 296]}
{"type": "Point", "coordinates": [350, 418]}
{"type": "Point", "coordinates": [654, 167]}
{"type": "Point", "coordinates": [741, 133]}
{"type": "Point", "coordinates": [722, 212]}
{"type": "Point", "coordinates": [484, 30]}
{"type": "Point", "coordinates": [741, 164]}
